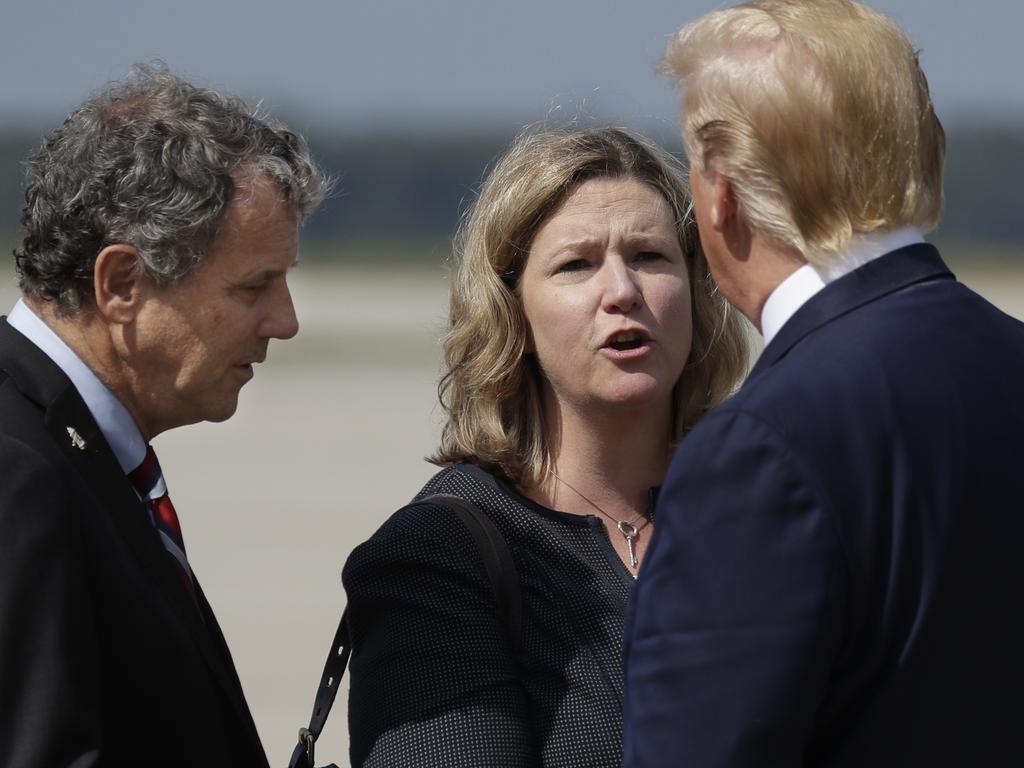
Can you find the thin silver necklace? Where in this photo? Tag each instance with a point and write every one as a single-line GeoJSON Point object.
{"type": "Point", "coordinates": [628, 528]}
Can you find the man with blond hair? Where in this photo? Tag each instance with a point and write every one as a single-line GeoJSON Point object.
{"type": "Point", "coordinates": [835, 579]}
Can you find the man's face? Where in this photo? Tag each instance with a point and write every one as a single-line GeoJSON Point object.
{"type": "Point", "coordinates": [711, 239]}
{"type": "Point", "coordinates": [194, 344]}
{"type": "Point", "coordinates": [702, 193]}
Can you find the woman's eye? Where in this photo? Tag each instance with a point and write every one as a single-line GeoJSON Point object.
{"type": "Point", "coordinates": [649, 256]}
{"type": "Point", "coordinates": [572, 266]}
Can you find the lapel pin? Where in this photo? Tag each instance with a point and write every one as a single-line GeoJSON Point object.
{"type": "Point", "coordinates": [76, 439]}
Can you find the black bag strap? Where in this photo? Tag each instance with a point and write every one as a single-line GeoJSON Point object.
{"type": "Point", "coordinates": [504, 578]}
{"type": "Point", "coordinates": [334, 668]}
{"type": "Point", "coordinates": [501, 569]}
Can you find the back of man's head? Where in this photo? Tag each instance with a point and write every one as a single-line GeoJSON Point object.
{"type": "Point", "coordinates": [152, 162]}
{"type": "Point", "coordinates": [818, 113]}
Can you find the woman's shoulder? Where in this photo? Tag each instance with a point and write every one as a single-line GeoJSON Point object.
{"type": "Point", "coordinates": [487, 492]}
{"type": "Point", "coordinates": [469, 482]}
{"type": "Point", "coordinates": [429, 530]}
{"type": "Point", "coordinates": [462, 481]}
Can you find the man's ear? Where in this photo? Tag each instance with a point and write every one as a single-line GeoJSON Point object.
{"type": "Point", "coordinates": [117, 283]}
{"type": "Point", "coordinates": [723, 202]}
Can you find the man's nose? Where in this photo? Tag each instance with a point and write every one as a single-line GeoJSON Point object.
{"type": "Point", "coordinates": [281, 322]}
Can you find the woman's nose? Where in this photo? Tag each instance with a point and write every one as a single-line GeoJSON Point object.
{"type": "Point", "coordinates": [621, 289]}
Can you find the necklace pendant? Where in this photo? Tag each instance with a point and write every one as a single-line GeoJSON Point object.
{"type": "Point", "coordinates": [629, 532]}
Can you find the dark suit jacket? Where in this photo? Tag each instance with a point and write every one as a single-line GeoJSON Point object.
{"type": "Point", "coordinates": [837, 578]}
{"type": "Point", "coordinates": [104, 659]}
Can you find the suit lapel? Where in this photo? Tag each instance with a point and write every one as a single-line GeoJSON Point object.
{"type": "Point", "coordinates": [88, 452]}
{"type": "Point", "coordinates": [876, 279]}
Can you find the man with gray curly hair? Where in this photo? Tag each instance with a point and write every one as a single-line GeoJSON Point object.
{"type": "Point", "coordinates": [160, 220]}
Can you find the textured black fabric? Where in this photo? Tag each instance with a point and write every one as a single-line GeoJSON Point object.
{"type": "Point", "coordinates": [432, 680]}
{"type": "Point", "coordinates": [104, 659]}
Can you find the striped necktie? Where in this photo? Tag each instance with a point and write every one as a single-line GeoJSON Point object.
{"type": "Point", "coordinates": [149, 483]}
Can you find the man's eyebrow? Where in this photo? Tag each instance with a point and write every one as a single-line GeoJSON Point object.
{"type": "Point", "coordinates": [268, 274]}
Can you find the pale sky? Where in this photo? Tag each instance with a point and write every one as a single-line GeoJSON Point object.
{"type": "Point", "coordinates": [428, 64]}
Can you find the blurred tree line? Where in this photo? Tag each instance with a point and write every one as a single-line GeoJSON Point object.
{"type": "Point", "coordinates": [399, 197]}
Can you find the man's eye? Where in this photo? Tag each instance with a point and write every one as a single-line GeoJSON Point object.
{"type": "Point", "coordinates": [251, 292]}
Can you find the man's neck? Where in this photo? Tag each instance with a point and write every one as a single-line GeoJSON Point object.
{"type": "Point", "coordinates": [787, 298]}
{"type": "Point", "coordinates": [764, 270]}
{"type": "Point", "coordinates": [81, 333]}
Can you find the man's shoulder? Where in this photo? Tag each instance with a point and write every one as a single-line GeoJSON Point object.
{"type": "Point", "coordinates": [35, 497]}
{"type": "Point", "coordinates": [37, 478]}
{"type": "Point", "coordinates": [818, 390]}
{"type": "Point", "coordinates": [26, 372]}
{"type": "Point", "coordinates": [21, 418]}
{"type": "Point", "coordinates": [902, 359]}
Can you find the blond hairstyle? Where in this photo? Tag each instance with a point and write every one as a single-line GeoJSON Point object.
{"type": "Point", "coordinates": [491, 388]}
{"type": "Point", "coordinates": [818, 112]}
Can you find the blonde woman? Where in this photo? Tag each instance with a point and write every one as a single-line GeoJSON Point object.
{"type": "Point", "coordinates": [586, 338]}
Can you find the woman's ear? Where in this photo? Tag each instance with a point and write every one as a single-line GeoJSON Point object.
{"type": "Point", "coordinates": [528, 346]}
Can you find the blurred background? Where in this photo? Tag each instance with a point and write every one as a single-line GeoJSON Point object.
{"type": "Point", "coordinates": [407, 103]}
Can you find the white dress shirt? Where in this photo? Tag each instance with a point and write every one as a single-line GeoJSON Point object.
{"type": "Point", "coordinates": [793, 292]}
{"type": "Point", "coordinates": [116, 424]}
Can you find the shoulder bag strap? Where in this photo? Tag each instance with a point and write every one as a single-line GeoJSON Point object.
{"type": "Point", "coordinates": [504, 578]}
{"type": "Point", "coordinates": [501, 569]}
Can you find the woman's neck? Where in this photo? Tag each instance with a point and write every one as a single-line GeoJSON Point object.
{"type": "Point", "coordinates": [610, 459]}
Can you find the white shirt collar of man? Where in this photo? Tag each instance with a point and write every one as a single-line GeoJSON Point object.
{"type": "Point", "coordinates": [116, 424]}
{"type": "Point", "coordinates": [793, 292]}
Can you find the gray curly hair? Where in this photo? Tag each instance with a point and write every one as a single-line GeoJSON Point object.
{"type": "Point", "coordinates": [154, 162]}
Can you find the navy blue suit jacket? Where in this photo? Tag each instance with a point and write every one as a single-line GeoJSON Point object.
{"type": "Point", "coordinates": [837, 576]}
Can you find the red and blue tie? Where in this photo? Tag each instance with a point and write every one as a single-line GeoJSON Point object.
{"type": "Point", "coordinates": [148, 480]}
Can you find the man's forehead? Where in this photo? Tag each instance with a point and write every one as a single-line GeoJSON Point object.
{"type": "Point", "coordinates": [256, 196]}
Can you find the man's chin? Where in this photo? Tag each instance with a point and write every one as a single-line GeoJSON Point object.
{"type": "Point", "coordinates": [219, 411]}
{"type": "Point", "coordinates": [224, 412]}
{"type": "Point", "coordinates": [218, 408]}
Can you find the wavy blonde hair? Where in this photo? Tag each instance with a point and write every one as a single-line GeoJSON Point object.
{"type": "Point", "coordinates": [491, 389]}
{"type": "Point", "coordinates": [819, 113]}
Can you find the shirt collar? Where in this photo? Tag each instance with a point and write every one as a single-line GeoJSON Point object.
{"type": "Point", "coordinates": [787, 298]}
{"type": "Point", "coordinates": [865, 248]}
{"type": "Point", "coordinates": [116, 424]}
{"type": "Point", "coordinates": [793, 292]}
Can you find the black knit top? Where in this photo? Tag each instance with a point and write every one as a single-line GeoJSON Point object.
{"type": "Point", "coordinates": [433, 681]}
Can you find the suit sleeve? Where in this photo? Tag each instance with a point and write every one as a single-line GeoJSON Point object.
{"type": "Point", "coordinates": [737, 614]}
{"type": "Point", "coordinates": [48, 661]}
{"type": "Point", "coordinates": [432, 681]}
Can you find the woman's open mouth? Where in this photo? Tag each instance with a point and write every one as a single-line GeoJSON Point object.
{"type": "Point", "coordinates": [626, 341]}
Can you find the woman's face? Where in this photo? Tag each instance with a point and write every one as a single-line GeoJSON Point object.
{"type": "Point", "coordinates": [607, 297]}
